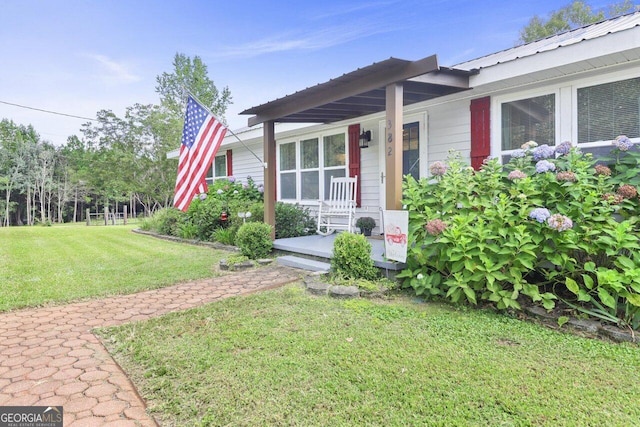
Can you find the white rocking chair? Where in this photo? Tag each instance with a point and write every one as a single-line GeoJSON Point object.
{"type": "Point", "coordinates": [340, 206]}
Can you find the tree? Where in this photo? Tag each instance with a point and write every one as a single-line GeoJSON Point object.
{"type": "Point", "coordinates": [190, 75]}
{"type": "Point", "coordinates": [574, 15]}
{"type": "Point", "coordinates": [17, 147]}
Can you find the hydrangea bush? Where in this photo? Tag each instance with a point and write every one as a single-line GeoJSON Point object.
{"type": "Point", "coordinates": [549, 225]}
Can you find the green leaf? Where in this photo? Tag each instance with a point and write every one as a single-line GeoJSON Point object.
{"type": "Point", "coordinates": [606, 298]}
{"type": "Point", "coordinates": [588, 281]}
{"type": "Point", "coordinates": [562, 320]}
{"type": "Point", "coordinates": [625, 262]}
{"type": "Point", "coordinates": [471, 295]}
{"type": "Point", "coordinates": [634, 299]}
{"type": "Point", "coordinates": [590, 266]}
{"type": "Point", "coordinates": [584, 296]}
{"type": "Point", "coordinates": [572, 285]}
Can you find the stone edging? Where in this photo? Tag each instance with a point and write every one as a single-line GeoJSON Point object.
{"type": "Point", "coordinates": [590, 327]}
{"type": "Point", "coordinates": [315, 284]}
{"type": "Point", "coordinates": [214, 245]}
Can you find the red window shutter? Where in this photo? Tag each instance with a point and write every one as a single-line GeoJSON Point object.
{"type": "Point", "coordinates": [354, 157]}
{"type": "Point", "coordinates": [480, 131]}
{"type": "Point", "coordinates": [229, 163]}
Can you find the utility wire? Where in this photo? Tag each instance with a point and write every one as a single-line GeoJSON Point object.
{"type": "Point", "coordinates": [48, 111]}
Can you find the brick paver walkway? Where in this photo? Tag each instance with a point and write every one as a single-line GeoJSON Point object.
{"type": "Point", "coordinates": [48, 356]}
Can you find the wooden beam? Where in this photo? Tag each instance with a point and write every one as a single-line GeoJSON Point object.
{"type": "Point", "coordinates": [269, 143]}
{"type": "Point", "coordinates": [393, 146]}
{"type": "Point", "coordinates": [355, 83]}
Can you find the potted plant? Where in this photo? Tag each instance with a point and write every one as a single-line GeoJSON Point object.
{"type": "Point", "coordinates": [366, 224]}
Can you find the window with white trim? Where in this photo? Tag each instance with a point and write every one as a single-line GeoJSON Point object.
{"type": "Point", "coordinates": [218, 169]}
{"type": "Point", "coordinates": [530, 119]}
{"type": "Point", "coordinates": [288, 187]}
{"type": "Point", "coordinates": [605, 111]}
{"type": "Point", "coordinates": [334, 159]}
{"type": "Point", "coordinates": [309, 169]}
{"type": "Point", "coordinates": [305, 167]}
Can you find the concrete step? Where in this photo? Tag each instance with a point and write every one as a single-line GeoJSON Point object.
{"type": "Point", "coordinates": [303, 263]}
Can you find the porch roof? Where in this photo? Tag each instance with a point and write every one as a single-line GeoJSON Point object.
{"type": "Point", "coordinates": [362, 92]}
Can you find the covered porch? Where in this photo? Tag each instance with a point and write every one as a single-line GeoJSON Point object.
{"type": "Point", "coordinates": [320, 248]}
{"type": "Point", "coordinates": [387, 86]}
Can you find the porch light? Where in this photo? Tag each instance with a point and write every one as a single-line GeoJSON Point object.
{"type": "Point", "coordinates": [365, 137]}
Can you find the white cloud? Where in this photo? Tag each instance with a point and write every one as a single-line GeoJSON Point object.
{"type": "Point", "coordinates": [321, 39]}
{"type": "Point", "coordinates": [116, 72]}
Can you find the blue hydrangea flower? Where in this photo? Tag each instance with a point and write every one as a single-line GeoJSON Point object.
{"type": "Point", "coordinates": [564, 148]}
{"type": "Point", "coordinates": [518, 154]}
{"type": "Point", "coordinates": [543, 152]}
{"type": "Point", "coordinates": [231, 179]}
{"type": "Point", "coordinates": [545, 166]}
{"type": "Point", "coordinates": [622, 143]}
{"type": "Point", "coordinates": [540, 214]}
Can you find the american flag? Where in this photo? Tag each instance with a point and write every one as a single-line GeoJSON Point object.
{"type": "Point", "coordinates": [201, 138]}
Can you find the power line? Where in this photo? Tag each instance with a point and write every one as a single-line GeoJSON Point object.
{"type": "Point", "coordinates": [48, 111]}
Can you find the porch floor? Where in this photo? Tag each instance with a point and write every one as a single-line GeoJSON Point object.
{"type": "Point", "coordinates": [322, 247]}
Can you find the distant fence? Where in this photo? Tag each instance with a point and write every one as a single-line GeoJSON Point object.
{"type": "Point", "coordinates": [107, 217]}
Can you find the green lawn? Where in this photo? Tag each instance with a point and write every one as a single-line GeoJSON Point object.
{"type": "Point", "coordinates": [41, 265]}
{"type": "Point", "coordinates": [286, 358]}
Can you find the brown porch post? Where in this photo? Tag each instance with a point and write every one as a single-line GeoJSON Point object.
{"type": "Point", "coordinates": [269, 142]}
{"type": "Point", "coordinates": [393, 146]}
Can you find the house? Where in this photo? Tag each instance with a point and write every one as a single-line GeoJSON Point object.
{"type": "Point", "coordinates": [581, 86]}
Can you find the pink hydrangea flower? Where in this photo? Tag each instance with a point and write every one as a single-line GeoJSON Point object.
{"type": "Point", "coordinates": [438, 168]}
{"type": "Point", "coordinates": [435, 226]}
{"type": "Point", "coordinates": [559, 222]}
{"type": "Point", "coordinates": [516, 174]}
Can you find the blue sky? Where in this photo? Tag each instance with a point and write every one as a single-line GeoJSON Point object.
{"type": "Point", "coordinates": [78, 57]}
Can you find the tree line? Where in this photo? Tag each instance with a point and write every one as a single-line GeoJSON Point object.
{"type": "Point", "coordinates": [115, 161]}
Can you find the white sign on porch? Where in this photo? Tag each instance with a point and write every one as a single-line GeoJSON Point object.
{"type": "Point", "coordinates": [396, 230]}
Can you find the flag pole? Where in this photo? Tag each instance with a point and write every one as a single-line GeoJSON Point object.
{"type": "Point", "coordinates": [264, 164]}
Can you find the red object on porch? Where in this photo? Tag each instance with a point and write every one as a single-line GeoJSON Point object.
{"type": "Point", "coordinates": [480, 131]}
{"type": "Point", "coordinates": [354, 158]}
{"type": "Point", "coordinates": [229, 163]}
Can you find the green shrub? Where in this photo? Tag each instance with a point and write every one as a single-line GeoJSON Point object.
{"type": "Point", "coordinates": [226, 236]}
{"type": "Point", "coordinates": [165, 221]}
{"type": "Point", "coordinates": [254, 240]}
{"type": "Point", "coordinates": [255, 208]}
{"type": "Point", "coordinates": [225, 195]}
{"type": "Point", "coordinates": [187, 230]}
{"type": "Point", "coordinates": [352, 257]}
{"type": "Point", "coordinates": [526, 230]}
{"type": "Point", "coordinates": [293, 220]}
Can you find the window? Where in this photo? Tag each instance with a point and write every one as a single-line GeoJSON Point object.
{"type": "Point", "coordinates": [218, 169]}
{"type": "Point", "coordinates": [531, 119]}
{"type": "Point", "coordinates": [608, 110]}
{"type": "Point", "coordinates": [310, 172]}
{"type": "Point", "coordinates": [334, 160]}
{"type": "Point", "coordinates": [288, 170]}
{"type": "Point", "coordinates": [306, 166]}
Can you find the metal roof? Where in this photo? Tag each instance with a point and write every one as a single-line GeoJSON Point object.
{"type": "Point", "coordinates": [362, 92]}
{"type": "Point", "coordinates": [599, 29]}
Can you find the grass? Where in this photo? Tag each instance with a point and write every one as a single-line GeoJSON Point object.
{"type": "Point", "coordinates": [286, 358]}
{"type": "Point", "coordinates": [40, 265]}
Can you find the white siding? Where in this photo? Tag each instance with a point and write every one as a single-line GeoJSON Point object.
{"type": "Point", "coordinates": [449, 129]}
{"type": "Point", "coordinates": [245, 164]}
